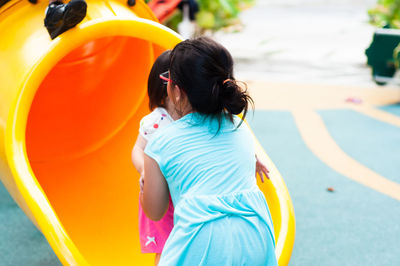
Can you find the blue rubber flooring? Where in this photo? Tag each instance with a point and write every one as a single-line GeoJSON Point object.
{"type": "Point", "coordinates": [353, 225]}
{"type": "Point", "coordinates": [371, 142]}
{"type": "Point", "coordinates": [393, 109]}
{"type": "Point", "coordinates": [21, 244]}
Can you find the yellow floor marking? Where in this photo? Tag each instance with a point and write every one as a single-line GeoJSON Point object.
{"type": "Point", "coordinates": [377, 114]}
{"type": "Point", "coordinates": [288, 96]}
{"type": "Point", "coordinates": [319, 141]}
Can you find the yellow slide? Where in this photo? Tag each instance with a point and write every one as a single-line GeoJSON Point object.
{"type": "Point", "coordinates": [69, 116]}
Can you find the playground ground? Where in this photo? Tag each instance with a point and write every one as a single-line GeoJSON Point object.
{"type": "Point", "coordinates": [333, 134]}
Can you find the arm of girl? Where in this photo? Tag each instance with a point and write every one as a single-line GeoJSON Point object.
{"type": "Point", "coordinates": [138, 157]}
{"type": "Point", "coordinates": [155, 196]}
{"type": "Point", "coordinates": [261, 170]}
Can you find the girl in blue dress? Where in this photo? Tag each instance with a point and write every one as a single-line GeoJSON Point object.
{"type": "Point", "coordinates": [206, 161]}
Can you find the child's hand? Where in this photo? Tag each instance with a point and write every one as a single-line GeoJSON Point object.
{"type": "Point", "coordinates": [141, 183]}
{"type": "Point", "coordinates": [261, 170]}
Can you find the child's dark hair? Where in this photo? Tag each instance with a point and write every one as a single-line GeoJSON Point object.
{"type": "Point", "coordinates": [156, 88]}
{"type": "Point", "coordinates": [203, 69]}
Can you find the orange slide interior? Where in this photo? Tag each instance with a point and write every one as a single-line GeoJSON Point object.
{"type": "Point", "coordinates": [81, 128]}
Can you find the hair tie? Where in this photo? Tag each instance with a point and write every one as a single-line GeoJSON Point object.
{"type": "Point", "coordinates": [225, 81]}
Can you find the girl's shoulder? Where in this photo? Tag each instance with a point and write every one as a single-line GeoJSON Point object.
{"type": "Point", "coordinates": [150, 123]}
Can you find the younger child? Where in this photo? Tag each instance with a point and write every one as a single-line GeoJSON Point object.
{"type": "Point", "coordinates": [154, 234]}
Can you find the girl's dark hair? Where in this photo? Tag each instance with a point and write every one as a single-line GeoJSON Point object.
{"type": "Point", "coordinates": [156, 88]}
{"type": "Point", "coordinates": [203, 69]}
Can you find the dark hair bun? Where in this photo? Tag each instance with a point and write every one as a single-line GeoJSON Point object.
{"type": "Point", "coordinates": [234, 98]}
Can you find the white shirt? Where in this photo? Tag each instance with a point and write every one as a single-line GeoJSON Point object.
{"type": "Point", "coordinates": [159, 118]}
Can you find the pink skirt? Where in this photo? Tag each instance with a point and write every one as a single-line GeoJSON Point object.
{"type": "Point", "coordinates": [153, 235]}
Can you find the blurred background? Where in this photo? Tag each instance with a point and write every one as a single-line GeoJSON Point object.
{"type": "Point", "coordinates": [321, 116]}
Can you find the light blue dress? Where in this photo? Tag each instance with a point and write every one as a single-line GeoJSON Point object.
{"type": "Point", "coordinates": [221, 217]}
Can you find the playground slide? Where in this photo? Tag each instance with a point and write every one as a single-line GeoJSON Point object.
{"type": "Point", "coordinates": [69, 116]}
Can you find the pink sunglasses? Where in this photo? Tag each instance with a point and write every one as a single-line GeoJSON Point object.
{"type": "Point", "coordinates": [165, 76]}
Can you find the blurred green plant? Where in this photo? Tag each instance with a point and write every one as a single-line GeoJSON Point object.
{"type": "Point", "coordinates": [217, 14]}
{"type": "Point", "coordinates": [214, 14]}
{"type": "Point", "coordinates": [174, 20]}
{"type": "Point", "coordinates": [386, 13]}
